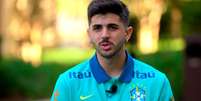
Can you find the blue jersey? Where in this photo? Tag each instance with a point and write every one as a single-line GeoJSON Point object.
{"type": "Point", "coordinates": [89, 82]}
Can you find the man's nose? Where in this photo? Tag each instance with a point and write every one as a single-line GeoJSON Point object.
{"type": "Point", "coordinates": [105, 33]}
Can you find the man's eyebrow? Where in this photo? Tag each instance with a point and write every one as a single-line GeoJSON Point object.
{"type": "Point", "coordinates": [96, 25]}
{"type": "Point", "coordinates": [113, 24]}
{"type": "Point", "coordinates": [110, 24]}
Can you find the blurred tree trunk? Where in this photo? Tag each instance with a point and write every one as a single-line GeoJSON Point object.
{"type": "Point", "coordinates": [176, 18]}
{"type": "Point", "coordinates": [149, 14]}
{"type": "Point", "coordinates": [6, 8]}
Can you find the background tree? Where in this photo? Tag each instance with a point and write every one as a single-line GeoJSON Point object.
{"type": "Point", "coordinates": [149, 13]}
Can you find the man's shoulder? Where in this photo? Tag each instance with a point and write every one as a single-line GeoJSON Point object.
{"type": "Point", "coordinates": [142, 67]}
{"type": "Point", "coordinates": [83, 66]}
{"type": "Point", "coordinates": [79, 71]}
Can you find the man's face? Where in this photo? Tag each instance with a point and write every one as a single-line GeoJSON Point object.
{"type": "Point", "coordinates": [108, 34]}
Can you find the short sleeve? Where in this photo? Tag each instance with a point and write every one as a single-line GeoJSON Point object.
{"type": "Point", "coordinates": [166, 91]}
{"type": "Point", "coordinates": [61, 90]}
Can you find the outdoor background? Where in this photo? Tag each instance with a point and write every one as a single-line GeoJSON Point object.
{"type": "Point", "coordinates": [40, 39]}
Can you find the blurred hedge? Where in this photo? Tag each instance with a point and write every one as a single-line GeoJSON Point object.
{"type": "Point", "coordinates": [22, 80]}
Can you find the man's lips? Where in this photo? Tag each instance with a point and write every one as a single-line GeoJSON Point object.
{"type": "Point", "coordinates": [106, 46]}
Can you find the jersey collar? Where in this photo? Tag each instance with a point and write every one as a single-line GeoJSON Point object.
{"type": "Point", "coordinates": [101, 76]}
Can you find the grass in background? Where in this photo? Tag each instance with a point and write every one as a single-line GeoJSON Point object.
{"type": "Point", "coordinates": [66, 55]}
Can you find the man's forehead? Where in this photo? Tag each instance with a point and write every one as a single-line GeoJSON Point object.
{"type": "Point", "coordinates": [108, 18]}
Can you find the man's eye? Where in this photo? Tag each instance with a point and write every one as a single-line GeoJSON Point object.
{"type": "Point", "coordinates": [96, 28]}
{"type": "Point", "coordinates": [113, 27]}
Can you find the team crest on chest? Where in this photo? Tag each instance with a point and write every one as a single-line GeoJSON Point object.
{"type": "Point", "coordinates": [137, 93]}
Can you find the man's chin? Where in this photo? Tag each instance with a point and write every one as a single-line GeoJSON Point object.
{"type": "Point", "coordinates": [107, 54]}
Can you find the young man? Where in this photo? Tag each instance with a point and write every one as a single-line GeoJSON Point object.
{"type": "Point", "coordinates": [111, 74]}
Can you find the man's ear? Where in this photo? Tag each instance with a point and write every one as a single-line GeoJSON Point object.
{"type": "Point", "coordinates": [129, 32]}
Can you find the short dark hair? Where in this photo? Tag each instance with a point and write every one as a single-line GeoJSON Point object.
{"type": "Point", "coordinates": [109, 6]}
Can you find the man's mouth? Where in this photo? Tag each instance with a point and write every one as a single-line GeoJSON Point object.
{"type": "Point", "coordinates": [106, 46]}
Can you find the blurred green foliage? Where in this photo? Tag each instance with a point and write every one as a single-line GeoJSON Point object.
{"type": "Point", "coordinates": [191, 23]}
{"type": "Point", "coordinates": [22, 80]}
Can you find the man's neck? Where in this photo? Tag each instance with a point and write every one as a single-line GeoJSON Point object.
{"type": "Point", "coordinates": [114, 65]}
